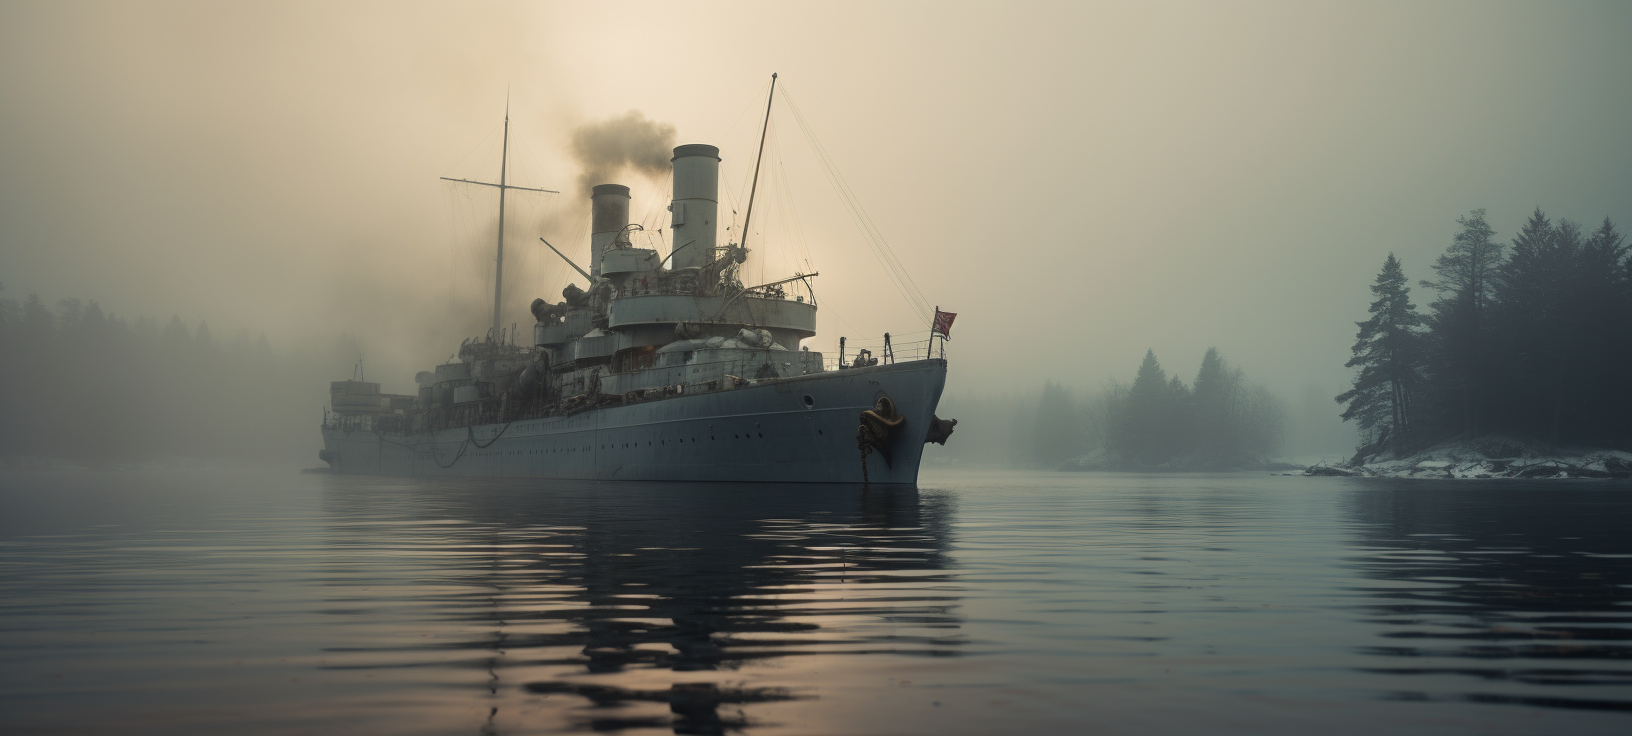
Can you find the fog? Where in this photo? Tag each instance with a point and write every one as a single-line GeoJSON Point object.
{"type": "Point", "coordinates": [1080, 183]}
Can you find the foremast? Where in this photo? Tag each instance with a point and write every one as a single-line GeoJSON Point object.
{"type": "Point", "coordinates": [503, 186]}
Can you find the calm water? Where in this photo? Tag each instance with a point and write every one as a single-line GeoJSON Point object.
{"type": "Point", "coordinates": [214, 602]}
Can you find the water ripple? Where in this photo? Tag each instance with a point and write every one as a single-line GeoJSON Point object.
{"type": "Point", "coordinates": [989, 602]}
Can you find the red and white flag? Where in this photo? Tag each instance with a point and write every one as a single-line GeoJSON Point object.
{"type": "Point", "coordinates": [943, 323]}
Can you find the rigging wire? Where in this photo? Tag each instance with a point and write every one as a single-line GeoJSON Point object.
{"type": "Point", "coordinates": [468, 265]}
{"type": "Point", "coordinates": [786, 192]}
{"type": "Point", "coordinates": [485, 141]}
{"type": "Point", "coordinates": [725, 181]}
{"type": "Point", "coordinates": [451, 234]}
{"type": "Point", "coordinates": [870, 231]}
{"type": "Point", "coordinates": [653, 219]}
{"type": "Point", "coordinates": [733, 194]}
{"type": "Point", "coordinates": [777, 219]}
{"type": "Point", "coordinates": [752, 104]}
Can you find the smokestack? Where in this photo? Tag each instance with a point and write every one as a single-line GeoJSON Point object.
{"type": "Point", "coordinates": [609, 215]}
{"type": "Point", "coordinates": [696, 203]}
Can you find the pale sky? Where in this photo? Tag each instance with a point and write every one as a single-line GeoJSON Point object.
{"type": "Point", "coordinates": [1078, 181]}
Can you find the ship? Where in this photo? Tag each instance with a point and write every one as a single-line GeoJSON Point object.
{"type": "Point", "coordinates": [660, 368]}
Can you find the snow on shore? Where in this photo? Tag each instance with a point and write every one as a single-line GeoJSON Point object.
{"type": "Point", "coordinates": [1491, 457]}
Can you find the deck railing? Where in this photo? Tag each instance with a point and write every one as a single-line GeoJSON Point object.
{"type": "Point", "coordinates": [902, 348]}
{"type": "Point", "coordinates": [720, 375]}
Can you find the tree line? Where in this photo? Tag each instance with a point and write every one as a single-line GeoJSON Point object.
{"type": "Point", "coordinates": [1532, 339]}
{"type": "Point", "coordinates": [80, 384]}
{"type": "Point", "coordinates": [1219, 420]}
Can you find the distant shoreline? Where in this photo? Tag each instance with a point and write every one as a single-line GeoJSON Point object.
{"type": "Point", "coordinates": [1115, 463]}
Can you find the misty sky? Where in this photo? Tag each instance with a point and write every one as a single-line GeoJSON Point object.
{"type": "Point", "coordinates": [1078, 181]}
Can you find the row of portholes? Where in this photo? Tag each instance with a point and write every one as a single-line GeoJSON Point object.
{"type": "Point", "coordinates": [625, 446]}
{"type": "Point", "coordinates": [562, 450]}
{"type": "Point", "coordinates": [682, 440]}
{"type": "Point", "coordinates": [810, 403]}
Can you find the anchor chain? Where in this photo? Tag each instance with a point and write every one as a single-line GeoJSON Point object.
{"type": "Point", "coordinates": [865, 451]}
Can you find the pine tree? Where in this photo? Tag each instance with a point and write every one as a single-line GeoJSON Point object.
{"type": "Point", "coordinates": [1606, 308]}
{"type": "Point", "coordinates": [1388, 351]}
{"type": "Point", "coordinates": [1141, 423]}
{"type": "Point", "coordinates": [1602, 299]}
{"type": "Point", "coordinates": [1540, 341]}
{"type": "Point", "coordinates": [1457, 353]}
{"type": "Point", "coordinates": [38, 323]}
{"type": "Point", "coordinates": [1467, 269]}
{"type": "Point", "coordinates": [1178, 421]}
{"type": "Point", "coordinates": [175, 333]}
{"type": "Point", "coordinates": [1210, 406]}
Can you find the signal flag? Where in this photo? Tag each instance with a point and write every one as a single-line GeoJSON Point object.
{"type": "Point", "coordinates": [943, 324]}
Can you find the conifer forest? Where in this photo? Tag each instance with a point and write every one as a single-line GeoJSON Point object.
{"type": "Point", "coordinates": [1530, 339]}
{"type": "Point", "coordinates": [1219, 420]}
{"type": "Point", "coordinates": [82, 385]}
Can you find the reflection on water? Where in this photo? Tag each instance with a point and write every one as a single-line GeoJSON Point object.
{"type": "Point", "coordinates": [229, 602]}
{"type": "Point", "coordinates": [571, 587]}
{"type": "Point", "coordinates": [1484, 591]}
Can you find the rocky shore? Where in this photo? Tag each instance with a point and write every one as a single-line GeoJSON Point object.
{"type": "Point", "coordinates": [1489, 457]}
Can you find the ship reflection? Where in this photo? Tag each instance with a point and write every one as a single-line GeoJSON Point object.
{"type": "Point", "coordinates": [589, 592]}
{"type": "Point", "coordinates": [1495, 593]}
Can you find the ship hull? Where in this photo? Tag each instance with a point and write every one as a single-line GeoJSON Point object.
{"type": "Point", "coordinates": [794, 430]}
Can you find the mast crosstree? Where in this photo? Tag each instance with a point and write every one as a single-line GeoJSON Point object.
{"type": "Point", "coordinates": [502, 186]}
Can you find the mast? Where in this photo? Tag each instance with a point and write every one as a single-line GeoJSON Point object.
{"type": "Point", "coordinates": [503, 186]}
{"type": "Point", "coordinates": [747, 218]}
{"type": "Point", "coordinates": [498, 266]}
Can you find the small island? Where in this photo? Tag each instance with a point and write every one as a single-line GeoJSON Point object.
{"type": "Point", "coordinates": [1518, 370]}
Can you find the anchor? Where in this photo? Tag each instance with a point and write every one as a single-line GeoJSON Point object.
{"type": "Point", "coordinates": [876, 425]}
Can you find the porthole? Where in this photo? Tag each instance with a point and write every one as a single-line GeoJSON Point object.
{"type": "Point", "coordinates": [810, 401]}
